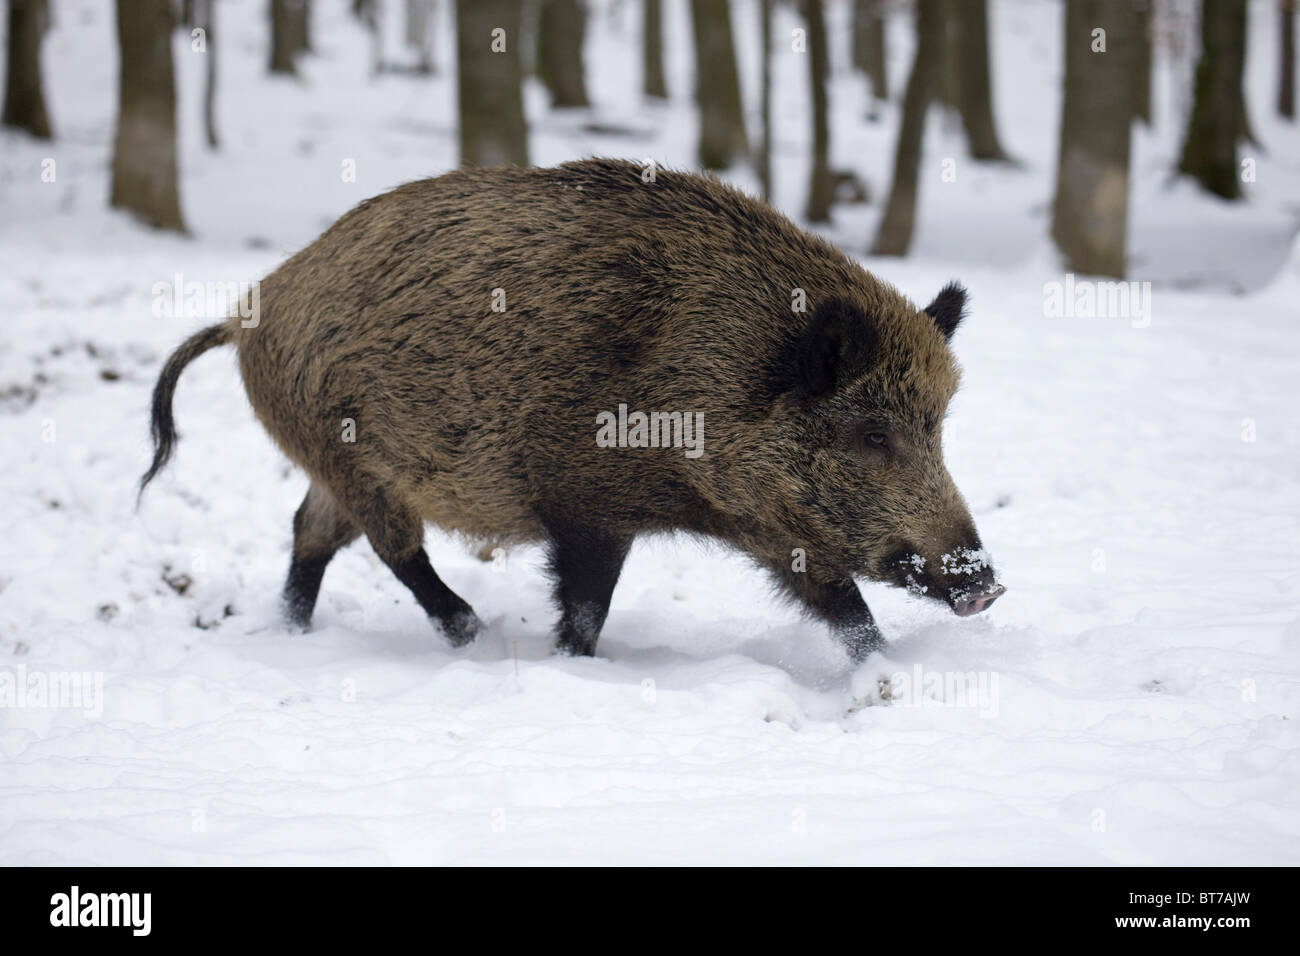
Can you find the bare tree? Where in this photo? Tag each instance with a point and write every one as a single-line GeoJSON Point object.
{"type": "Point", "coordinates": [652, 49]}
{"type": "Point", "coordinates": [419, 32]}
{"type": "Point", "coordinates": [561, 29]}
{"type": "Point", "coordinates": [869, 45]}
{"type": "Point", "coordinates": [24, 106]}
{"type": "Point", "coordinates": [492, 127]}
{"type": "Point", "coordinates": [1286, 59]}
{"type": "Point", "coordinates": [1089, 216]}
{"type": "Point", "coordinates": [969, 42]}
{"type": "Point", "coordinates": [894, 235]}
{"type": "Point", "coordinates": [821, 186]}
{"type": "Point", "coordinates": [300, 11]}
{"type": "Point", "coordinates": [764, 160]}
{"type": "Point", "coordinates": [371, 17]}
{"type": "Point", "coordinates": [1218, 109]}
{"type": "Point", "coordinates": [285, 41]}
{"type": "Point", "coordinates": [947, 90]}
{"type": "Point", "coordinates": [1145, 10]}
{"type": "Point", "coordinates": [717, 86]}
{"type": "Point", "coordinates": [203, 14]}
{"type": "Point", "coordinates": [144, 150]}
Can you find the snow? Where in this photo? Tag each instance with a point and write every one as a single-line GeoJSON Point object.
{"type": "Point", "coordinates": [1131, 700]}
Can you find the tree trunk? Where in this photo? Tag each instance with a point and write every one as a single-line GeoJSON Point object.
{"type": "Point", "coordinates": [284, 41]}
{"type": "Point", "coordinates": [204, 16]}
{"type": "Point", "coordinates": [894, 235]}
{"type": "Point", "coordinates": [371, 16]}
{"type": "Point", "coordinates": [821, 187]}
{"type": "Point", "coordinates": [419, 31]}
{"type": "Point", "coordinates": [144, 150]}
{"type": "Point", "coordinates": [1286, 61]}
{"type": "Point", "coordinates": [869, 45]}
{"type": "Point", "coordinates": [492, 127]}
{"type": "Point", "coordinates": [975, 88]}
{"type": "Point", "coordinates": [301, 25]}
{"type": "Point", "coordinates": [561, 27]}
{"type": "Point", "coordinates": [1244, 129]}
{"type": "Point", "coordinates": [764, 162]}
{"type": "Point", "coordinates": [947, 90]}
{"type": "Point", "coordinates": [1142, 61]}
{"type": "Point", "coordinates": [24, 102]}
{"type": "Point", "coordinates": [414, 22]}
{"type": "Point", "coordinates": [652, 49]}
{"type": "Point", "coordinates": [1089, 216]}
{"type": "Point", "coordinates": [1218, 121]}
{"type": "Point", "coordinates": [717, 86]}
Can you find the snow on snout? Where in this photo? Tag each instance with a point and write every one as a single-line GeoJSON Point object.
{"type": "Point", "coordinates": [965, 561]}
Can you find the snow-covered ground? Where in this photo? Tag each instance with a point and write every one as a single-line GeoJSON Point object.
{"type": "Point", "coordinates": [1134, 695]}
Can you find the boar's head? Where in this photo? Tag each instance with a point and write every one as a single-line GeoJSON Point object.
{"type": "Point", "coordinates": [862, 390]}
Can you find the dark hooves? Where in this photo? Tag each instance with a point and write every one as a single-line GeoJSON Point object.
{"type": "Point", "coordinates": [295, 615]}
{"type": "Point", "coordinates": [575, 646]}
{"type": "Point", "coordinates": [862, 642]}
{"type": "Point", "coordinates": [462, 627]}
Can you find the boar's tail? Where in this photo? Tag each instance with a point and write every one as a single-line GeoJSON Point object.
{"type": "Point", "coordinates": [161, 424]}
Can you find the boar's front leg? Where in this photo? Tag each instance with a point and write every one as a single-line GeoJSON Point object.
{"type": "Point", "coordinates": [585, 562]}
{"type": "Point", "coordinates": [838, 602]}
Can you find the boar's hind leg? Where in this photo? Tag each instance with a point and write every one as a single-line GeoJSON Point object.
{"type": "Point", "coordinates": [320, 528]}
{"type": "Point", "coordinates": [396, 533]}
{"type": "Point", "coordinates": [585, 563]}
{"type": "Point", "coordinates": [839, 603]}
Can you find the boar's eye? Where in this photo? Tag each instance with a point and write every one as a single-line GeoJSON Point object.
{"type": "Point", "coordinates": [874, 440]}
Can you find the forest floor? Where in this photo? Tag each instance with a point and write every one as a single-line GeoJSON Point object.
{"type": "Point", "coordinates": [1133, 699]}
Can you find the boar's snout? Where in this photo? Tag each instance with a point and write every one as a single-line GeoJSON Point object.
{"type": "Point", "coordinates": [974, 603]}
{"type": "Point", "coordinates": [965, 579]}
{"type": "Point", "coordinates": [961, 576]}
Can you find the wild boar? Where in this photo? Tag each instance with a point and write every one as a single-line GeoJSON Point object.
{"type": "Point", "coordinates": [585, 354]}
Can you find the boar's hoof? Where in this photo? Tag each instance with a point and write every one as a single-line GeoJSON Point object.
{"type": "Point", "coordinates": [575, 644]}
{"type": "Point", "coordinates": [580, 626]}
{"type": "Point", "coordinates": [461, 627]}
{"type": "Point", "coordinates": [862, 640]}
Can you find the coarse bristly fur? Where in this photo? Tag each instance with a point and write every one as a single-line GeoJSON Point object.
{"type": "Point", "coordinates": [381, 367]}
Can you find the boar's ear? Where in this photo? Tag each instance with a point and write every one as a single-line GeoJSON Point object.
{"type": "Point", "coordinates": [948, 308]}
{"type": "Point", "coordinates": [835, 346]}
